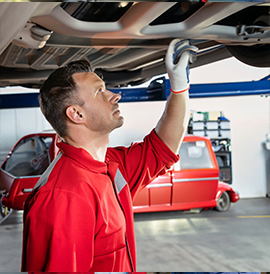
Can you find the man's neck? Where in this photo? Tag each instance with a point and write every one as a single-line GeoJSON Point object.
{"type": "Point", "coordinates": [94, 144]}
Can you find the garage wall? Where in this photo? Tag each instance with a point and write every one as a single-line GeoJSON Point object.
{"type": "Point", "coordinates": [249, 118]}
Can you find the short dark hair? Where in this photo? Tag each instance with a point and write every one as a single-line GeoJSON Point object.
{"type": "Point", "coordinates": [58, 92]}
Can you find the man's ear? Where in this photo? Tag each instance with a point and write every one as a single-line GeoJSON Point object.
{"type": "Point", "coordinates": [74, 114]}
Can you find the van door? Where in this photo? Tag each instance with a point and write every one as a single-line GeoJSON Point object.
{"type": "Point", "coordinates": [195, 183]}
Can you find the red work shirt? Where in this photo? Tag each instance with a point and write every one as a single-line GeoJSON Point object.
{"type": "Point", "coordinates": [80, 217]}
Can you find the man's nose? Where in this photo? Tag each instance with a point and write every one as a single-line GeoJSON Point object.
{"type": "Point", "coordinates": [115, 97]}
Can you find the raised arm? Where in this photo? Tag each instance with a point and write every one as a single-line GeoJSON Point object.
{"type": "Point", "coordinates": [173, 123]}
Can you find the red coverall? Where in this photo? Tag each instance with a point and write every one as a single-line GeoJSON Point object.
{"type": "Point", "coordinates": [81, 218]}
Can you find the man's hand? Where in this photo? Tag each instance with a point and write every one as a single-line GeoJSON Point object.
{"type": "Point", "coordinates": [177, 60]}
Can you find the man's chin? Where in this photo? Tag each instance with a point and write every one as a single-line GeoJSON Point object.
{"type": "Point", "coordinates": [118, 123]}
{"type": "Point", "coordinates": [121, 121]}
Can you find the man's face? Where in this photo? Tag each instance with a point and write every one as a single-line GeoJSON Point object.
{"type": "Point", "coordinates": [100, 105]}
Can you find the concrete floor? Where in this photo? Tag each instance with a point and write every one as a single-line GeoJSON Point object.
{"type": "Point", "coordinates": [236, 240]}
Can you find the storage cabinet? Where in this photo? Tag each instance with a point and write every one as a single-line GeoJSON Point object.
{"type": "Point", "coordinates": [219, 132]}
{"type": "Point", "coordinates": [212, 129]}
{"type": "Point", "coordinates": [222, 150]}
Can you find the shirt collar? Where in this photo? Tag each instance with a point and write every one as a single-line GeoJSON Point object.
{"type": "Point", "coordinates": [83, 157]}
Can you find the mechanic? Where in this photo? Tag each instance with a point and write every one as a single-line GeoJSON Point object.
{"type": "Point", "coordinates": [79, 216]}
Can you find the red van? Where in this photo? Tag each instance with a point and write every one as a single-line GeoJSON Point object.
{"type": "Point", "coordinates": [23, 167]}
{"type": "Point", "coordinates": [193, 182]}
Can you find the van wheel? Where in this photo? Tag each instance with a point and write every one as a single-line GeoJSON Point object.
{"type": "Point", "coordinates": [223, 203]}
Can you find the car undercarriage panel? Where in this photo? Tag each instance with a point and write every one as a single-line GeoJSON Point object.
{"type": "Point", "coordinates": [126, 42]}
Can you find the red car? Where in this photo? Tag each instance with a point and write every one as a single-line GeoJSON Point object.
{"type": "Point", "coordinates": [191, 183]}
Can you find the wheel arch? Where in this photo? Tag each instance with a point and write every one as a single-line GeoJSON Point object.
{"type": "Point", "coordinates": [222, 187]}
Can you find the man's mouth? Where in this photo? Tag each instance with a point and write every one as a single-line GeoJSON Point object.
{"type": "Point", "coordinates": [116, 109]}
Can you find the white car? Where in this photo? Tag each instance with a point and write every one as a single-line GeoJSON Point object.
{"type": "Point", "coordinates": [126, 42]}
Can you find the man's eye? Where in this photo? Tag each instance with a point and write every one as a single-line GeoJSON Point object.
{"type": "Point", "coordinates": [101, 90]}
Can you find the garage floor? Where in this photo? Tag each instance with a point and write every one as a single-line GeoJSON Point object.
{"type": "Point", "coordinates": [236, 240]}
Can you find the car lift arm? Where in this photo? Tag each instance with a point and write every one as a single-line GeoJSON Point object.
{"type": "Point", "coordinates": [158, 90]}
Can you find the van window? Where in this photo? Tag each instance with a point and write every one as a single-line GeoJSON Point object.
{"type": "Point", "coordinates": [29, 157]}
{"type": "Point", "coordinates": [194, 155]}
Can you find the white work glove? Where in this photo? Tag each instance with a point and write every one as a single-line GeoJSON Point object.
{"type": "Point", "coordinates": [178, 73]}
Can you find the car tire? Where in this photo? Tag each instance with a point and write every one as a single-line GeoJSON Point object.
{"type": "Point", "coordinates": [257, 55]}
{"type": "Point", "coordinates": [223, 202]}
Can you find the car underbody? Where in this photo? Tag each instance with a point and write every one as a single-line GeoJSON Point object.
{"type": "Point", "coordinates": [125, 42]}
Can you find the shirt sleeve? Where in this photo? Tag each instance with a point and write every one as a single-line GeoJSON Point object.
{"type": "Point", "coordinates": [142, 162]}
{"type": "Point", "coordinates": [58, 242]}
